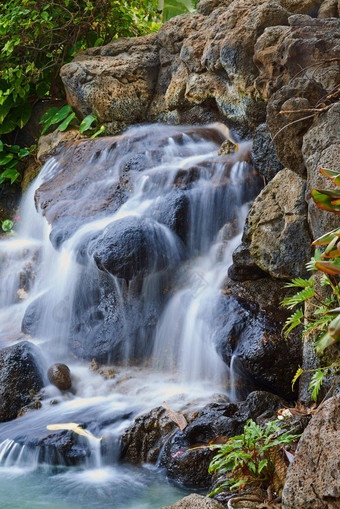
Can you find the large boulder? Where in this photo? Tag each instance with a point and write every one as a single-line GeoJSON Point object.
{"type": "Point", "coordinates": [134, 246]}
{"type": "Point", "coordinates": [248, 335]}
{"type": "Point", "coordinates": [115, 82]}
{"type": "Point", "coordinates": [277, 229]}
{"type": "Point", "coordinates": [313, 479]}
{"type": "Point", "coordinates": [195, 501]}
{"type": "Point", "coordinates": [20, 378]}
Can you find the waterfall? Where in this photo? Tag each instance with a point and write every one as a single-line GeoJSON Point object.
{"type": "Point", "coordinates": [120, 257]}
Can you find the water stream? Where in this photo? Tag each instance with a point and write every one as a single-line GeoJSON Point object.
{"type": "Point", "coordinates": [151, 320]}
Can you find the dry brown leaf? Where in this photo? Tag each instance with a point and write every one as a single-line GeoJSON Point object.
{"type": "Point", "coordinates": [177, 418]}
{"type": "Point", "coordinates": [73, 426]}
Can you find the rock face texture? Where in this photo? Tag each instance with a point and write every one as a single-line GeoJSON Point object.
{"type": "Point", "coordinates": [153, 435]}
{"type": "Point", "coordinates": [20, 378]}
{"type": "Point", "coordinates": [277, 228]}
{"type": "Point", "coordinates": [195, 501]}
{"type": "Point", "coordinates": [313, 480]}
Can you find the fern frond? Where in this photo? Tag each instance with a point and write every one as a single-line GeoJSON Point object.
{"type": "Point", "coordinates": [316, 383]}
{"type": "Point", "coordinates": [305, 294]}
{"type": "Point", "coordinates": [293, 321]}
{"type": "Point", "coordinates": [299, 282]}
{"type": "Point", "coordinates": [296, 376]}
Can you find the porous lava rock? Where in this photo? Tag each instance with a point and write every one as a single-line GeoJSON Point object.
{"type": "Point", "coordinates": [20, 378]}
{"type": "Point", "coordinates": [313, 479]}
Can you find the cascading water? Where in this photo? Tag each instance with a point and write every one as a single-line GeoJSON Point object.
{"type": "Point", "coordinates": [123, 262]}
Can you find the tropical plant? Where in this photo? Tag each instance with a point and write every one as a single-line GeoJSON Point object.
{"type": "Point", "coordinates": [252, 459]}
{"type": "Point", "coordinates": [60, 119]}
{"type": "Point", "coordinates": [325, 320]}
{"type": "Point", "coordinates": [37, 38]}
{"type": "Point", "coordinates": [171, 8]}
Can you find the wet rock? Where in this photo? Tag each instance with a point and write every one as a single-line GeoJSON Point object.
{"type": "Point", "coordinates": [19, 374]}
{"type": "Point", "coordinates": [62, 448]}
{"type": "Point", "coordinates": [243, 267]}
{"type": "Point", "coordinates": [189, 467]}
{"type": "Point", "coordinates": [172, 210]}
{"type": "Point", "coordinates": [263, 153]}
{"type": "Point", "coordinates": [313, 478]}
{"type": "Point", "coordinates": [134, 246]}
{"type": "Point", "coordinates": [60, 376]}
{"type": "Point", "coordinates": [52, 144]}
{"type": "Point", "coordinates": [33, 315]}
{"type": "Point", "coordinates": [115, 82]}
{"type": "Point", "coordinates": [144, 439]}
{"type": "Point", "coordinates": [321, 150]}
{"type": "Point", "coordinates": [277, 228]}
{"type": "Point", "coordinates": [195, 501]}
{"type": "Point", "coordinates": [248, 333]}
{"type": "Point", "coordinates": [227, 147]}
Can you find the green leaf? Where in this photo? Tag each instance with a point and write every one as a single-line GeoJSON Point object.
{"type": "Point", "coordinates": [7, 225]}
{"type": "Point", "coordinates": [58, 117]}
{"type": "Point", "coordinates": [296, 376]}
{"type": "Point", "coordinates": [327, 238]}
{"type": "Point", "coordinates": [323, 199]}
{"type": "Point", "coordinates": [97, 133]}
{"type": "Point", "coordinates": [11, 174]}
{"type": "Point", "coordinates": [262, 465]}
{"type": "Point", "coordinates": [48, 115]}
{"type": "Point", "coordinates": [332, 268]}
{"type": "Point", "coordinates": [86, 123]}
{"type": "Point", "coordinates": [291, 302]}
{"type": "Point", "coordinates": [66, 122]}
{"type": "Point", "coordinates": [293, 321]}
{"type": "Point", "coordinates": [5, 158]}
{"type": "Point", "coordinates": [25, 115]}
{"type": "Point", "coordinates": [315, 383]}
{"type": "Point", "coordinates": [324, 342]}
{"type": "Point", "coordinates": [300, 283]}
{"type": "Point", "coordinates": [1, 146]}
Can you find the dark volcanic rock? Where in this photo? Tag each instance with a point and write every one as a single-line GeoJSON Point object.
{"type": "Point", "coordinates": [134, 246]}
{"type": "Point", "coordinates": [263, 153]}
{"type": "Point", "coordinates": [190, 467]}
{"type": "Point", "coordinates": [172, 210]}
{"type": "Point", "coordinates": [249, 324]}
{"type": "Point", "coordinates": [19, 375]}
{"type": "Point", "coordinates": [60, 376]}
{"type": "Point", "coordinates": [153, 436]}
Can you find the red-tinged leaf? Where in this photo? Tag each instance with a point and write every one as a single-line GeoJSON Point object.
{"type": "Point", "coordinates": [332, 193]}
{"type": "Point", "coordinates": [337, 180]}
{"type": "Point", "coordinates": [327, 238]}
{"type": "Point", "coordinates": [336, 202]}
{"type": "Point", "coordinates": [330, 174]}
{"type": "Point", "coordinates": [323, 201]}
{"type": "Point", "coordinates": [334, 329]}
{"type": "Point", "coordinates": [328, 267]}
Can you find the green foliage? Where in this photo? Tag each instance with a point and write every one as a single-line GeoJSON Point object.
{"type": "Point", "coordinates": [326, 317]}
{"type": "Point", "coordinates": [7, 225]}
{"type": "Point", "coordinates": [249, 460]}
{"type": "Point", "coordinates": [37, 38]}
{"type": "Point", "coordinates": [10, 158]}
{"type": "Point", "coordinates": [171, 8]}
{"type": "Point", "coordinates": [60, 119]}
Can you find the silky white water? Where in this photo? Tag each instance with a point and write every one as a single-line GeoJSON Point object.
{"type": "Point", "coordinates": [172, 358]}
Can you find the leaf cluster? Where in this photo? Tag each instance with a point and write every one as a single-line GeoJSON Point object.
{"type": "Point", "coordinates": [248, 460]}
